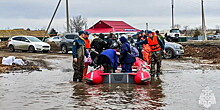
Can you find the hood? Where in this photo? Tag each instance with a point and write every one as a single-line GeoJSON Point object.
{"type": "Point", "coordinates": [123, 40]}
{"type": "Point", "coordinates": [173, 44]}
{"type": "Point", "coordinates": [41, 43]}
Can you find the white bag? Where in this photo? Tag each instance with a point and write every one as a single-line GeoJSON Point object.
{"type": "Point", "coordinates": [8, 61]}
{"type": "Point", "coordinates": [18, 62]}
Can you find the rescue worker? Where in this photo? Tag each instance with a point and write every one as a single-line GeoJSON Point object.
{"type": "Point", "coordinates": [126, 59]}
{"type": "Point", "coordinates": [78, 52]}
{"type": "Point", "coordinates": [108, 59]}
{"type": "Point", "coordinates": [157, 47]}
{"type": "Point", "coordinates": [88, 47]}
{"type": "Point", "coordinates": [86, 40]}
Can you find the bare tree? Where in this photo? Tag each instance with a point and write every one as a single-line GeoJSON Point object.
{"type": "Point", "coordinates": [177, 26]}
{"type": "Point", "coordinates": [217, 29]}
{"type": "Point", "coordinates": [77, 23]}
{"type": "Point", "coordinates": [185, 29]}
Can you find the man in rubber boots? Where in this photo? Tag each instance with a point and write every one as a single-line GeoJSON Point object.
{"type": "Point", "coordinates": [157, 47]}
{"type": "Point", "coordinates": [78, 52]}
{"type": "Point", "coordinates": [88, 47]}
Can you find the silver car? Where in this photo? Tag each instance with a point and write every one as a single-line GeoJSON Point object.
{"type": "Point", "coordinates": [27, 43]}
{"type": "Point", "coordinates": [66, 42]}
{"type": "Point", "coordinates": [173, 50]}
{"type": "Point", "coordinates": [54, 39]}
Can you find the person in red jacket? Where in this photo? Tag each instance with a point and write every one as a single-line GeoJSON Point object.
{"type": "Point", "coordinates": [157, 47]}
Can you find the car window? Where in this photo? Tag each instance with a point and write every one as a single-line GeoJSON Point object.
{"type": "Point", "coordinates": [71, 36]}
{"type": "Point", "coordinates": [23, 39]}
{"type": "Point", "coordinates": [17, 38]}
{"type": "Point", "coordinates": [56, 38]}
{"type": "Point", "coordinates": [34, 39]}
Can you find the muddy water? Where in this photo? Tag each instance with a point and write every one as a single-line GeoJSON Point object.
{"type": "Point", "coordinates": [178, 88]}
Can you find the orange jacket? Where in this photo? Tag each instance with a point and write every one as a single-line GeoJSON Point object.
{"type": "Point", "coordinates": [154, 44]}
{"type": "Point", "coordinates": [146, 53]}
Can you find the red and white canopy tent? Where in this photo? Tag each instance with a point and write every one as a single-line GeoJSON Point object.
{"type": "Point", "coordinates": [104, 26]}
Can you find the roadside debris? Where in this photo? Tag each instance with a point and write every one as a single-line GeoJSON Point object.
{"type": "Point", "coordinates": [11, 64]}
{"type": "Point", "coordinates": [204, 52]}
{"type": "Point", "coordinates": [11, 60]}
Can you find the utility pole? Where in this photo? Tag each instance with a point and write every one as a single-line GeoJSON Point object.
{"type": "Point", "coordinates": [172, 14]}
{"type": "Point", "coordinates": [67, 17]}
{"type": "Point", "coordinates": [203, 21]}
{"type": "Point", "coordinates": [146, 26]}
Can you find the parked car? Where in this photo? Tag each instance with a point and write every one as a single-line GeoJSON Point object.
{"type": "Point", "coordinates": [66, 42]}
{"type": "Point", "coordinates": [173, 50]}
{"type": "Point", "coordinates": [54, 39]}
{"type": "Point", "coordinates": [27, 43]}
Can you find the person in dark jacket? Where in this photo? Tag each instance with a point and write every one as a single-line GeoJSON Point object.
{"type": "Point", "coordinates": [113, 43]}
{"type": "Point", "coordinates": [126, 59]}
{"type": "Point", "coordinates": [98, 44]}
{"type": "Point", "coordinates": [140, 47]}
{"type": "Point", "coordinates": [131, 40]}
{"type": "Point", "coordinates": [108, 59]}
{"type": "Point", "coordinates": [78, 52]}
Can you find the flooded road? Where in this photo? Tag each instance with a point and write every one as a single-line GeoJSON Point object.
{"type": "Point", "coordinates": [180, 87]}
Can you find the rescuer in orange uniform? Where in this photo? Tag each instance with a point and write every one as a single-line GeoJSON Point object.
{"type": "Point", "coordinates": [157, 47]}
{"type": "Point", "coordinates": [88, 47]}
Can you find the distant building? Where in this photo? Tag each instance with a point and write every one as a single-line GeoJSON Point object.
{"type": "Point", "coordinates": [17, 32]}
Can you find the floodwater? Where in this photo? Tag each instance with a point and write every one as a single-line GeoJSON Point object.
{"type": "Point", "coordinates": [180, 87]}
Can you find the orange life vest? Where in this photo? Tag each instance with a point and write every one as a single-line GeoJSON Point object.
{"type": "Point", "coordinates": [87, 43]}
{"type": "Point", "coordinates": [154, 43]}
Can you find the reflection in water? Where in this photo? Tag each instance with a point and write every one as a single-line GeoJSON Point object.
{"type": "Point", "coordinates": [118, 96]}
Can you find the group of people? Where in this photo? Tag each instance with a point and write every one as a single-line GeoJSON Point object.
{"type": "Point", "coordinates": [112, 52]}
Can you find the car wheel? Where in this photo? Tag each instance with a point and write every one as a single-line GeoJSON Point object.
{"type": "Point", "coordinates": [169, 54]}
{"type": "Point", "coordinates": [45, 51]}
{"type": "Point", "coordinates": [31, 49]}
{"type": "Point", "coordinates": [11, 48]}
{"type": "Point", "coordinates": [64, 49]}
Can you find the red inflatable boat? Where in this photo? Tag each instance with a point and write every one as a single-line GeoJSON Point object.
{"type": "Point", "coordinates": [140, 75]}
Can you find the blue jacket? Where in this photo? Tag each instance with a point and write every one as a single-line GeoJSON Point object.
{"type": "Point", "coordinates": [125, 50]}
{"type": "Point", "coordinates": [77, 43]}
{"type": "Point", "coordinates": [111, 54]}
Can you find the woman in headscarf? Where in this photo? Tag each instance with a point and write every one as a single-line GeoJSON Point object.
{"type": "Point", "coordinates": [126, 59]}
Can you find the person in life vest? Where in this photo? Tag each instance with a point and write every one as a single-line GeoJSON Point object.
{"type": "Point", "coordinates": [157, 47]}
{"type": "Point", "coordinates": [78, 52]}
{"type": "Point", "coordinates": [88, 47]}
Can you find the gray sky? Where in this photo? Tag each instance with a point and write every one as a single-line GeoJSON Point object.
{"type": "Point", "coordinates": [36, 14]}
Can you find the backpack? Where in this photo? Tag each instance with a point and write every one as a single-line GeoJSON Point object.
{"type": "Point", "coordinates": [133, 51]}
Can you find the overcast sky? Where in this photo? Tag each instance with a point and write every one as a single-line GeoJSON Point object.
{"type": "Point", "coordinates": [36, 14]}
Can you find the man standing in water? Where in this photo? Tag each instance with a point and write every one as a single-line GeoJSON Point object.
{"type": "Point", "coordinates": [78, 52]}
{"type": "Point", "coordinates": [157, 47]}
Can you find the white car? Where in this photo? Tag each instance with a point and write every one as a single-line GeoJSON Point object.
{"type": "Point", "coordinates": [27, 43]}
